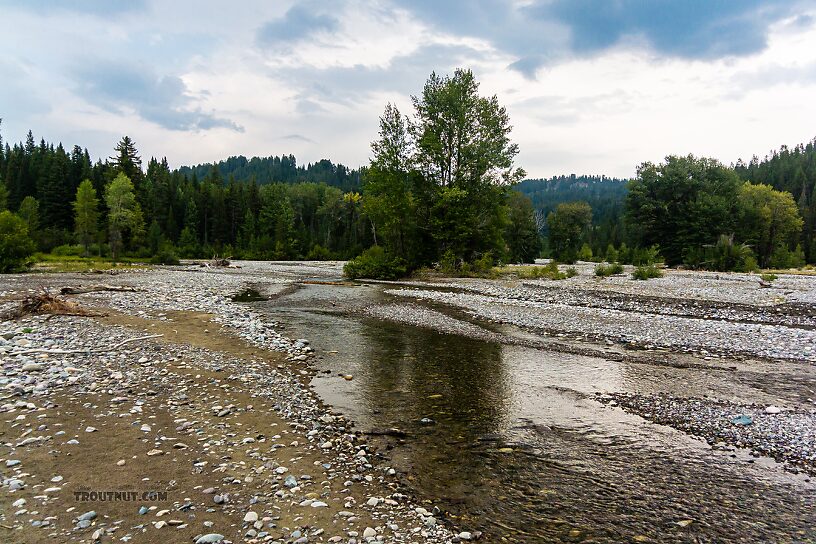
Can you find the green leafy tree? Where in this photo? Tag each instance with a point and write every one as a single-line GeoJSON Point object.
{"type": "Point", "coordinates": [15, 244]}
{"type": "Point", "coordinates": [86, 214]}
{"type": "Point", "coordinates": [522, 236]}
{"type": "Point", "coordinates": [682, 204]}
{"type": "Point", "coordinates": [389, 200]}
{"type": "Point", "coordinates": [568, 225]}
{"type": "Point", "coordinates": [29, 212]}
{"type": "Point", "coordinates": [463, 142]}
{"type": "Point", "coordinates": [768, 220]}
{"type": "Point", "coordinates": [123, 211]}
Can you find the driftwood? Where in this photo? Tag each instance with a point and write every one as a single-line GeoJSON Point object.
{"type": "Point", "coordinates": [95, 288]}
{"type": "Point", "coordinates": [46, 303]}
{"type": "Point", "coordinates": [386, 432]}
{"type": "Point", "coordinates": [109, 272]}
{"type": "Point", "coordinates": [96, 350]}
{"type": "Point", "coordinates": [219, 261]}
{"type": "Point", "coordinates": [765, 284]}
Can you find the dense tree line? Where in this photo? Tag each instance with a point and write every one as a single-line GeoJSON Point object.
{"type": "Point", "coordinates": [441, 189]}
{"type": "Point", "coordinates": [688, 211]}
{"type": "Point", "coordinates": [117, 206]}
{"type": "Point", "coordinates": [794, 171]}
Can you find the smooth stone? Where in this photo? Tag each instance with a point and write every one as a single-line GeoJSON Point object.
{"type": "Point", "coordinates": [211, 538]}
{"type": "Point", "coordinates": [87, 516]}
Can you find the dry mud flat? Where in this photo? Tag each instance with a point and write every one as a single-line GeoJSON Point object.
{"type": "Point", "coordinates": [205, 429]}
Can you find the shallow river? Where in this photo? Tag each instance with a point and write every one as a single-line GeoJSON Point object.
{"type": "Point", "coordinates": [509, 441]}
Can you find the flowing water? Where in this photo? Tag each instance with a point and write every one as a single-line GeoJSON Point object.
{"type": "Point", "coordinates": [508, 440]}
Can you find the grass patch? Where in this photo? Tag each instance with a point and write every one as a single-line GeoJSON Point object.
{"type": "Point", "coordinates": [46, 262]}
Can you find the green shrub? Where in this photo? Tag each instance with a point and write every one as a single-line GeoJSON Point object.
{"type": "Point", "coordinates": [768, 277]}
{"type": "Point", "coordinates": [646, 255]}
{"type": "Point", "coordinates": [723, 256]}
{"type": "Point", "coordinates": [585, 253]}
{"type": "Point", "coordinates": [66, 250]}
{"type": "Point", "coordinates": [548, 271]}
{"type": "Point", "coordinates": [15, 244]}
{"type": "Point", "coordinates": [646, 272]}
{"type": "Point", "coordinates": [319, 253]}
{"type": "Point", "coordinates": [610, 269]}
{"type": "Point", "coordinates": [448, 264]}
{"type": "Point", "coordinates": [165, 255]}
{"type": "Point", "coordinates": [484, 264]}
{"type": "Point", "coordinates": [374, 263]}
{"type": "Point", "coordinates": [782, 257]}
{"type": "Point", "coordinates": [611, 254]}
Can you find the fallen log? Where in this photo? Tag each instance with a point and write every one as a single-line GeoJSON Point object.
{"type": "Point", "coordinates": [95, 288]}
{"type": "Point", "coordinates": [386, 432]}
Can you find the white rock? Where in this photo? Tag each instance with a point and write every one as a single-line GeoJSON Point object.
{"type": "Point", "coordinates": [251, 517]}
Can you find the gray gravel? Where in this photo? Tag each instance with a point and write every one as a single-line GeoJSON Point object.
{"type": "Point", "coordinates": [786, 435]}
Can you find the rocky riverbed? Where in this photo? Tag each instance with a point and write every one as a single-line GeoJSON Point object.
{"type": "Point", "coordinates": [181, 416]}
{"type": "Point", "coordinates": [176, 388]}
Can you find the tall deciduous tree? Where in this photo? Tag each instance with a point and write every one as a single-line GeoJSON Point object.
{"type": "Point", "coordinates": [522, 234]}
{"type": "Point", "coordinates": [29, 212]}
{"type": "Point", "coordinates": [768, 220]}
{"type": "Point", "coordinates": [86, 214]}
{"type": "Point", "coordinates": [682, 203]}
{"type": "Point", "coordinates": [568, 225]}
{"type": "Point", "coordinates": [123, 211]}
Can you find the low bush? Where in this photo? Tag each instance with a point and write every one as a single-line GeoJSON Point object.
{"type": "Point", "coordinates": [604, 270]}
{"type": "Point", "coordinates": [67, 250]}
{"type": "Point", "coordinates": [374, 263]}
{"type": "Point", "coordinates": [548, 271]}
{"type": "Point", "coordinates": [647, 272]}
{"type": "Point", "coordinates": [165, 255]}
{"type": "Point", "coordinates": [319, 253]}
{"type": "Point", "coordinates": [768, 277]}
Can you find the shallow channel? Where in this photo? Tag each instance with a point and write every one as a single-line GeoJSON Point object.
{"type": "Point", "coordinates": [509, 441]}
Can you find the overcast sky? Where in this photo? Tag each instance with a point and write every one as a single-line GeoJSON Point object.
{"type": "Point", "coordinates": [591, 86]}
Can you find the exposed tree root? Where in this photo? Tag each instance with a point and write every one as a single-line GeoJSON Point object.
{"type": "Point", "coordinates": [46, 303]}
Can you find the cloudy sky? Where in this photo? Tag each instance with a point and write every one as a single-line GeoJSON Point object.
{"type": "Point", "coordinates": [592, 86]}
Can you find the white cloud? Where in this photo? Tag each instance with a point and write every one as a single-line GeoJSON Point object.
{"type": "Point", "coordinates": [320, 95]}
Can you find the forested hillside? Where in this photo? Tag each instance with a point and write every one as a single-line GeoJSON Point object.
{"type": "Point", "coordinates": [282, 169]}
{"type": "Point", "coordinates": [604, 195]}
